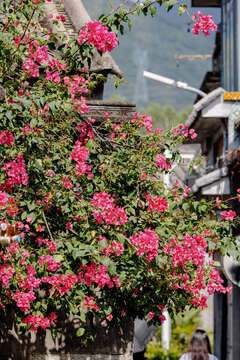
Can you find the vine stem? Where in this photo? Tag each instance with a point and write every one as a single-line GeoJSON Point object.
{"type": "Point", "coordinates": [25, 30]}
{"type": "Point", "coordinates": [46, 223]}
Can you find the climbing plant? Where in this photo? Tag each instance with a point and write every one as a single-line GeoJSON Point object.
{"type": "Point", "coordinates": [88, 226]}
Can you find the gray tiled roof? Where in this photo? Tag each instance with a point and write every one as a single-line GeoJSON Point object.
{"type": "Point", "coordinates": [201, 104]}
{"type": "Point", "coordinates": [76, 16]}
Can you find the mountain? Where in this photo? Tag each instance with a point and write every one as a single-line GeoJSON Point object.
{"type": "Point", "coordinates": [151, 45]}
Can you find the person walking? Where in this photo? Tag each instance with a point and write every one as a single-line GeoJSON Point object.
{"type": "Point", "coordinates": [199, 348]}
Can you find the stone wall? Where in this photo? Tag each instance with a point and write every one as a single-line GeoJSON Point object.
{"type": "Point", "coordinates": [109, 343]}
{"type": "Point", "coordinates": [118, 111]}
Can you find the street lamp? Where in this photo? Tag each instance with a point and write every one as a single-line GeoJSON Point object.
{"type": "Point", "coordinates": [171, 82]}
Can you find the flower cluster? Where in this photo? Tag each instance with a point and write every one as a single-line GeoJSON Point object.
{"type": "Point", "coordinates": [3, 199]}
{"type": "Point", "coordinates": [162, 162]}
{"type": "Point", "coordinates": [67, 183]}
{"type": "Point", "coordinates": [39, 55]}
{"type": "Point", "coordinates": [90, 303]}
{"type": "Point", "coordinates": [147, 243]}
{"type": "Point", "coordinates": [96, 274]}
{"type": "Point", "coordinates": [184, 131]}
{"type": "Point", "coordinates": [36, 321]}
{"type": "Point", "coordinates": [192, 251]}
{"type": "Point", "coordinates": [143, 121]}
{"type": "Point", "coordinates": [189, 249]}
{"type": "Point", "coordinates": [31, 281]}
{"type": "Point", "coordinates": [80, 155]}
{"type": "Point", "coordinates": [24, 299]}
{"type": "Point", "coordinates": [98, 35]}
{"type": "Point", "coordinates": [228, 215]}
{"type": "Point", "coordinates": [61, 283]}
{"type": "Point", "coordinates": [52, 265]}
{"type": "Point", "coordinates": [116, 248]}
{"type": "Point", "coordinates": [6, 273]}
{"type": "Point", "coordinates": [156, 203]}
{"type": "Point", "coordinates": [203, 23]}
{"type": "Point", "coordinates": [16, 172]}
{"type": "Point", "coordinates": [77, 85]}
{"type": "Point", "coordinates": [110, 213]}
{"type": "Point", "coordinates": [6, 137]}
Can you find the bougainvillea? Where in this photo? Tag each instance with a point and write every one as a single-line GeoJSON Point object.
{"type": "Point", "coordinates": [203, 23]}
{"type": "Point", "coordinates": [89, 226]}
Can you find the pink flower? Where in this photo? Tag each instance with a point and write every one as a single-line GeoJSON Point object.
{"type": "Point", "coordinates": [162, 318]}
{"type": "Point", "coordinates": [161, 307]}
{"type": "Point", "coordinates": [162, 162]}
{"type": "Point", "coordinates": [23, 299]}
{"type": "Point", "coordinates": [109, 317]}
{"type": "Point", "coordinates": [147, 244]}
{"type": "Point", "coordinates": [80, 155]}
{"type": "Point", "coordinates": [69, 226]}
{"type": "Point", "coordinates": [158, 204]}
{"type": "Point", "coordinates": [228, 215]}
{"type": "Point", "coordinates": [150, 315]}
{"type": "Point", "coordinates": [6, 137]}
{"type": "Point", "coordinates": [98, 35]}
{"type": "Point", "coordinates": [52, 265]}
{"type": "Point", "coordinates": [108, 212]}
{"type": "Point", "coordinates": [204, 24]}
{"type": "Point", "coordinates": [40, 228]}
{"type": "Point", "coordinates": [3, 199]}
{"type": "Point", "coordinates": [90, 303]}
{"type": "Point", "coordinates": [16, 172]}
{"type": "Point", "coordinates": [50, 173]}
{"type": "Point", "coordinates": [177, 184]}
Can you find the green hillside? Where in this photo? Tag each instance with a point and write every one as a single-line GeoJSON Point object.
{"type": "Point", "coordinates": [151, 45]}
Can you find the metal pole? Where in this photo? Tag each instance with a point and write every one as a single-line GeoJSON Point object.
{"type": "Point", "coordinates": [166, 331]}
{"type": "Point", "coordinates": [166, 325]}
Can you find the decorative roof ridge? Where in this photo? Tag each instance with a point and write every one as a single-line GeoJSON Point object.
{"type": "Point", "coordinates": [201, 104]}
{"type": "Point", "coordinates": [76, 15]}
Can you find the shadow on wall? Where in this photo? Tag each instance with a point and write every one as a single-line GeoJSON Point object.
{"type": "Point", "coordinates": [107, 341]}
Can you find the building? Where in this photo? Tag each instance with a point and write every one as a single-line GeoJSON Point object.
{"type": "Point", "coordinates": [216, 119]}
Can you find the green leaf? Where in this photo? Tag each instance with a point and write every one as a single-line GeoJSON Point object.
{"type": "Point", "coordinates": [33, 123]}
{"type": "Point", "coordinates": [80, 332]}
{"type": "Point", "coordinates": [24, 215]}
{"type": "Point", "coordinates": [121, 28]}
{"type": "Point", "coordinates": [169, 4]}
{"type": "Point", "coordinates": [185, 206]}
{"type": "Point", "coordinates": [153, 11]}
{"type": "Point", "coordinates": [9, 115]}
{"type": "Point", "coordinates": [58, 258]}
{"type": "Point", "coordinates": [38, 164]}
{"type": "Point", "coordinates": [31, 205]}
{"type": "Point", "coordinates": [182, 9]}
